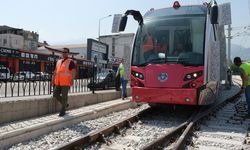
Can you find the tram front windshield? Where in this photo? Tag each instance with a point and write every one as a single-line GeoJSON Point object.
{"type": "Point", "coordinates": [170, 40]}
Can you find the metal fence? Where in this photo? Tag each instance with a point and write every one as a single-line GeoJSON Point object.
{"type": "Point", "coordinates": [24, 73]}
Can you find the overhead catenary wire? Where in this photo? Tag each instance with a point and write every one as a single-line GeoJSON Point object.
{"type": "Point", "coordinates": [241, 31]}
{"type": "Point", "coordinates": [249, 7]}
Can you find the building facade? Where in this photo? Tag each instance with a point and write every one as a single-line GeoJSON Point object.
{"type": "Point", "coordinates": [75, 48]}
{"type": "Point", "coordinates": [18, 38]}
{"type": "Point", "coordinates": [119, 43]}
{"type": "Point", "coordinates": [20, 60]}
{"type": "Point", "coordinates": [120, 47]}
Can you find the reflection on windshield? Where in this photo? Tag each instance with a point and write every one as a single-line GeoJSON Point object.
{"type": "Point", "coordinates": [102, 74]}
{"type": "Point", "coordinates": [177, 40]}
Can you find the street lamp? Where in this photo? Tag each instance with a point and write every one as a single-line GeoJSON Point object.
{"type": "Point", "coordinates": [100, 24]}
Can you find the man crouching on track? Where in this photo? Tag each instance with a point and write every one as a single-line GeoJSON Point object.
{"type": "Point", "coordinates": [62, 79]}
{"type": "Point", "coordinates": [245, 75]}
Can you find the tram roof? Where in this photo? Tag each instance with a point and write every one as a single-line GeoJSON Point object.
{"type": "Point", "coordinates": [181, 11]}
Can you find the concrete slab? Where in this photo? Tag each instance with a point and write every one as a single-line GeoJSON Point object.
{"type": "Point", "coordinates": [12, 133]}
{"type": "Point", "coordinates": [229, 134]}
{"type": "Point", "coordinates": [35, 106]}
{"type": "Point", "coordinates": [114, 146]}
{"type": "Point", "coordinates": [231, 128]}
{"type": "Point", "coordinates": [215, 140]}
{"type": "Point", "coordinates": [208, 148]}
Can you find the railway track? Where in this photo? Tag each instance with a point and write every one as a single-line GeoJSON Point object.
{"type": "Point", "coordinates": [174, 137]}
{"type": "Point", "coordinates": [133, 131]}
{"type": "Point", "coordinates": [170, 141]}
{"type": "Point", "coordinates": [154, 128]}
{"type": "Point", "coordinates": [225, 130]}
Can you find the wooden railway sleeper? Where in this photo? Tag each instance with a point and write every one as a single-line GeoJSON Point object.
{"type": "Point", "coordinates": [103, 139]}
{"type": "Point", "coordinates": [123, 132]}
{"type": "Point", "coordinates": [77, 148]}
{"type": "Point", "coordinates": [247, 138]}
{"type": "Point", "coordinates": [189, 140]}
{"type": "Point", "coordinates": [197, 127]}
{"type": "Point", "coordinates": [129, 123]}
{"type": "Point", "coordinates": [190, 135]}
{"type": "Point", "coordinates": [117, 130]}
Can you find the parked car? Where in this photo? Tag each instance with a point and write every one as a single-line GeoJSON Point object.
{"type": "Point", "coordinates": [104, 80]}
{"type": "Point", "coordinates": [24, 76]}
{"type": "Point", "coordinates": [42, 76]}
{"type": "Point", "coordinates": [4, 73]}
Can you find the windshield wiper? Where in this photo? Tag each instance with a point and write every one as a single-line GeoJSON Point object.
{"type": "Point", "coordinates": [185, 63]}
{"type": "Point", "coordinates": [151, 61]}
{"type": "Point", "coordinates": [179, 61]}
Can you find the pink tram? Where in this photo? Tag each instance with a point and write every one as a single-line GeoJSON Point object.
{"type": "Point", "coordinates": [170, 62]}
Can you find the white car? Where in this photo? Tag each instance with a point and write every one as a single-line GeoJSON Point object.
{"type": "Point", "coordinates": [42, 76]}
{"type": "Point", "coordinates": [24, 76]}
{"type": "Point", "coordinates": [4, 73]}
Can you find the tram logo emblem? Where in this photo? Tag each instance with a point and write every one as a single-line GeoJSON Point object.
{"type": "Point", "coordinates": [163, 77]}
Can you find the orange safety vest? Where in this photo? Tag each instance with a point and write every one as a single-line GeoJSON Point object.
{"type": "Point", "coordinates": [161, 47]}
{"type": "Point", "coordinates": [63, 76]}
{"type": "Point", "coordinates": [148, 44]}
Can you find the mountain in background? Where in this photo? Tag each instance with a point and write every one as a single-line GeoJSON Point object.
{"type": "Point", "coordinates": [242, 52]}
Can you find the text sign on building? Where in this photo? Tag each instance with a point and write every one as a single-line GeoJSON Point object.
{"type": "Point", "coordinates": [225, 14]}
{"type": "Point", "coordinates": [13, 53]}
{"type": "Point", "coordinates": [97, 49]}
{"type": "Point", "coordinates": [116, 23]}
{"type": "Point", "coordinates": [29, 55]}
{"type": "Point", "coordinates": [6, 52]}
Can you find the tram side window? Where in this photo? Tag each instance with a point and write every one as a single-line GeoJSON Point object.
{"type": "Point", "coordinates": [137, 52]}
{"type": "Point", "coordinates": [198, 36]}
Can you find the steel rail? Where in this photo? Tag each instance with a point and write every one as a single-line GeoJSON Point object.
{"type": "Point", "coordinates": [183, 129]}
{"type": "Point", "coordinates": [187, 127]}
{"type": "Point", "coordinates": [100, 134]}
{"type": "Point", "coordinates": [157, 144]}
{"type": "Point", "coordinates": [180, 144]}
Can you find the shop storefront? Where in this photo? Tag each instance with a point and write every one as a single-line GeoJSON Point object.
{"type": "Point", "coordinates": [20, 60]}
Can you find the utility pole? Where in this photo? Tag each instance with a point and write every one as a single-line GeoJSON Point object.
{"type": "Point", "coordinates": [229, 62]}
{"type": "Point", "coordinates": [229, 44]}
{"type": "Point", "coordinates": [99, 25]}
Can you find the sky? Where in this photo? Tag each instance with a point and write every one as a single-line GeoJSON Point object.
{"type": "Point", "coordinates": [73, 21]}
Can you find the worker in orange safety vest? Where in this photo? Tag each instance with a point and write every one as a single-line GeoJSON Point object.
{"type": "Point", "coordinates": [62, 79]}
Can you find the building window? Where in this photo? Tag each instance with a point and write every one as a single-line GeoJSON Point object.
{"type": "Point", "coordinates": [113, 47]}
{"type": "Point", "coordinates": [4, 41]}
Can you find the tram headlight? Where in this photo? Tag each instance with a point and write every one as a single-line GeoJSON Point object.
{"type": "Point", "coordinates": [192, 76]}
{"type": "Point", "coordinates": [138, 75]}
{"type": "Point", "coordinates": [189, 76]}
{"type": "Point", "coordinates": [195, 75]}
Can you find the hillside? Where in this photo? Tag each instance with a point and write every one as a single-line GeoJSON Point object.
{"type": "Point", "coordinates": [240, 51]}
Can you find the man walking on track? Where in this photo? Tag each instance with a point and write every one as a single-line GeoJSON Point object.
{"type": "Point", "coordinates": [62, 79]}
{"type": "Point", "coordinates": [245, 75]}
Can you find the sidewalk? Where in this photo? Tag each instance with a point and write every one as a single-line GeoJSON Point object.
{"type": "Point", "coordinates": [18, 108]}
{"type": "Point", "coordinates": [12, 133]}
